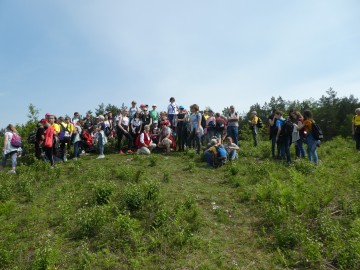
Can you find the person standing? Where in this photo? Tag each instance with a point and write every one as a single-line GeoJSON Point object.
{"type": "Point", "coordinates": [283, 136]}
{"type": "Point", "coordinates": [253, 126]}
{"type": "Point", "coordinates": [196, 130]}
{"type": "Point", "coordinates": [312, 143]}
{"type": "Point", "coordinates": [172, 111]}
{"type": "Point", "coordinates": [9, 150]}
{"type": "Point", "coordinates": [356, 128]}
{"type": "Point", "coordinates": [154, 114]}
{"type": "Point", "coordinates": [49, 135]}
{"type": "Point", "coordinates": [272, 133]}
{"type": "Point", "coordinates": [233, 124]}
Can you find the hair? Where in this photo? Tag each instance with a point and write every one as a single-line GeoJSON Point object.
{"type": "Point", "coordinates": [308, 115]}
{"type": "Point", "coordinates": [230, 139]}
{"type": "Point", "coordinates": [172, 99]}
{"type": "Point", "coordinates": [195, 107]}
{"type": "Point", "coordinates": [11, 128]}
{"type": "Point", "coordinates": [357, 110]}
{"type": "Point", "coordinates": [278, 112]}
{"type": "Point", "coordinates": [213, 141]}
{"type": "Point", "coordinates": [146, 126]}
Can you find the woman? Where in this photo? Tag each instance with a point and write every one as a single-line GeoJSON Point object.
{"type": "Point", "coordinates": [196, 130]}
{"type": "Point", "coordinates": [298, 134]}
{"type": "Point", "coordinates": [9, 150]}
{"type": "Point", "coordinates": [144, 142]}
{"type": "Point", "coordinates": [181, 119]}
{"type": "Point", "coordinates": [165, 140]}
{"type": "Point", "coordinates": [172, 111]}
{"type": "Point", "coordinates": [123, 130]}
{"type": "Point", "coordinates": [311, 142]}
{"type": "Point", "coordinates": [48, 139]}
{"type": "Point", "coordinates": [77, 140]}
{"type": "Point", "coordinates": [100, 135]}
{"type": "Point", "coordinates": [136, 124]}
{"type": "Point", "coordinates": [210, 127]}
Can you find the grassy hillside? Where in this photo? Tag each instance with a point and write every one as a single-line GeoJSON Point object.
{"type": "Point", "coordinates": [170, 212]}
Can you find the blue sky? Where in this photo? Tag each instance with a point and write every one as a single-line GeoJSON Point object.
{"type": "Point", "coordinates": [65, 56]}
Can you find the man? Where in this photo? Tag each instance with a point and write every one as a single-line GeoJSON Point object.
{"type": "Point", "coordinates": [272, 132]}
{"type": "Point", "coordinates": [132, 110]}
{"type": "Point", "coordinates": [154, 114]}
{"type": "Point", "coordinates": [253, 126]}
{"type": "Point", "coordinates": [233, 124]}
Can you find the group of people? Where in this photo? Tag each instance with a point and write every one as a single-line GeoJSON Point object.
{"type": "Point", "coordinates": [144, 131]}
{"type": "Point", "coordinates": [148, 130]}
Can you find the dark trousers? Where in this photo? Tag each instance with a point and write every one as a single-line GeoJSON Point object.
{"type": "Point", "coordinates": [129, 139]}
{"type": "Point", "coordinates": [49, 155]}
{"type": "Point", "coordinates": [195, 138]}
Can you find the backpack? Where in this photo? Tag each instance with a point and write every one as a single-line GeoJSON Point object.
{"type": "Point", "coordinates": [221, 152]}
{"type": "Point", "coordinates": [220, 124]}
{"type": "Point", "coordinates": [211, 124]}
{"type": "Point", "coordinates": [16, 141]}
{"type": "Point", "coordinates": [259, 123]}
{"type": "Point", "coordinates": [286, 128]}
{"type": "Point", "coordinates": [317, 132]}
{"type": "Point", "coordinates": [64, 132]}
{"type": "Point", "coordinates": [203, 121]}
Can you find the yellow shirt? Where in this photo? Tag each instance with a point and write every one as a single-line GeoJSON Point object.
{"type": "Point", "coordinates": [70, 127]}
{"type": "Point", "coordinates": [254, 120]}
{"type": "Point", "coordinates": [56, 128]}
{"type": "Point", "coordinates": [356, 120]}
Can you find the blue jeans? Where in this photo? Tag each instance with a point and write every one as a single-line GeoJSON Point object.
{"type": "Point", "coordinates": [76, 149]}
{"type": "Point", "coordinates": [232, 155]}
{"type": "Point", "coordinates": [285, 148]}
{"type": "Point", "coordinates": [209, 159]}
{"type": "Point", "coordinates": [233, 132]}
{"type": "Point", "coordinates": [299, 148]}
{"type": "Point", "coordinates": [100, 144]}
{"type": "Point", "coordinates": [311, 148]}
{"type": "Point", "coordinates": [13, 156]}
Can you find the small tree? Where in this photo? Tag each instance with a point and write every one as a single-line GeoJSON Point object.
{"type": "Point", "coordinates": [33, 114]}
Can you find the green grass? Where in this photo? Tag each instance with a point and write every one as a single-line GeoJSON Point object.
{"type": "Point", "coordinates": [170, 212]}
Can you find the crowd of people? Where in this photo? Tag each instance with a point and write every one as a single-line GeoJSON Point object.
{"type": "Point", "coordinates": [143, 131]}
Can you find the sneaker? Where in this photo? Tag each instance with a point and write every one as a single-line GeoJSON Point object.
{"type": "Point", "coordinates": [121, 152]}
{"type": "Point", "coordinates": [129, 152]}
{"type": "Point", "coordinates": [12, 171]}
{"type": "Point", "coordinates": [100, 156]}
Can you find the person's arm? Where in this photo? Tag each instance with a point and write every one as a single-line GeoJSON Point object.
{"type": "Point", "coordinates": [278, 132]}
{"type": "Point", "coordinates": [142, 141]}
{"type": "Point", "coordinates": [353, 127]}
{"type": "Point", "coordinates": [6, 138]}
{"type": "Point", "coordinates": [199, 122]}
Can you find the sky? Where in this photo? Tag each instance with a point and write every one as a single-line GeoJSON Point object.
{"type": "Point", "coordinates": [64, 56]}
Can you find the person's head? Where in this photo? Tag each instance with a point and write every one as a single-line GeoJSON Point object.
{"type": "Point", "coordinates": [194, 108]}
{"type": "Point", "coordinates": [357, 111]}
{"type": "Point", "coordinates": [229, 140]}
{"type": "Point", "coordinates": [154, 106]}
{"type": "Point", "coordinates": [76, 115]}
{"type": "Point", "coordinates": [172, 99]}
{"type": "Point", "coordinates": [308, 115]}
{"type": "Point", "coordinates": [47, 115]}
{"type": "Point", "coordinates": [67, 119]}
{"type": "Point", "coordinates": [61, 119]}
{"type": "Point", "coordinates": [88, 116]}
{"type": "Point", "coordinates": [217, 115]}
{"type": "Point", "coordinates": [232, 108]}
{"type": "Point", "coordinates": [253, 113]}
{"type": "Point", "coordinates": [155, 124]}
{"type": "Point", "coordinates": [147, 128]}
{"type": "Point", "coordinates": [137, 114]}
{"type": "Point", "coordinates": [126, 113]}
{"type": "Point", "coordinates": [213, 142]}
{"type": "Point", "coordinates": [106, 117]}
{"type": "Point", "coordinates": [278, 114]}
{"type": "Point", "coordinates": [100, 118]}
{"type": "Point", "coordinates": [51, 119]}
{"type": "Point", "coordinates": [210, 113]}
{"type": "Point", "coordinates": [11, 128]}
{"type": "Point", "coordinates": [133, 103]}
{"type": "Point", "coordinates": [44, 122]}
